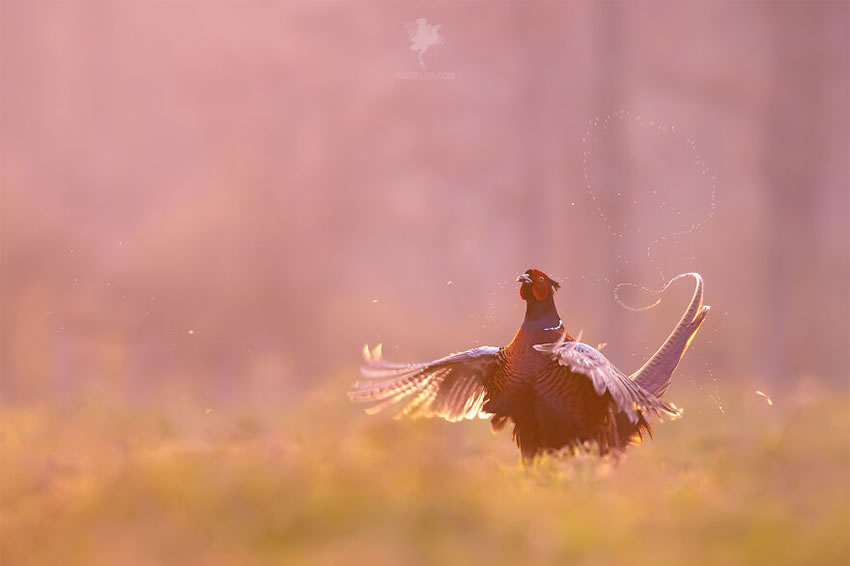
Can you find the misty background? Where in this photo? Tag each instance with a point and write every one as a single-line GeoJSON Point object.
{"type": "Point", "coordinates": [224, 201]}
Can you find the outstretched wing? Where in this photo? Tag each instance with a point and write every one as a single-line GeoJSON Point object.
{"type": "Point", "coordinates": [630, 398]}
{"type": "Point", "coordinates": [451, 387]}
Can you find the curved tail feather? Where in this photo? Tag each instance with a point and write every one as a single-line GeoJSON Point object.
{"type": "Point", "coordinates": [656, 373]}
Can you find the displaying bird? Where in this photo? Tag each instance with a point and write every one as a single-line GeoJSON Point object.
{"type": "Point", "coordinates": [557, 391]}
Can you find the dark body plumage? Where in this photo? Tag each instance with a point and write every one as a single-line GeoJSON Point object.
{"type": "Point", "coordinates": [551, 407]}
{"type": "Point", "coordinates": [557, 392]}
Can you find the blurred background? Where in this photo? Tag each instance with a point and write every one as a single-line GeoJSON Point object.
{"type": "Point", "coordinates": [207, 208]}
{"type": "Point", "coordinates": [224, 199]}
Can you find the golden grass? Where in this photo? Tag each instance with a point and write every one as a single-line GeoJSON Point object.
{"type": "Point", "coordinates": [325, 484]}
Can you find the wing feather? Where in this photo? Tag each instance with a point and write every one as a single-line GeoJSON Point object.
{"type": "Point", "coordinates": [451, 388]}
{"type": "Point", "coordinates": [630, 398]}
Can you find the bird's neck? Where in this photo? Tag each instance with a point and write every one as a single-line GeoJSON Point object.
{"type": "Point", "coordinates": [541, 315]}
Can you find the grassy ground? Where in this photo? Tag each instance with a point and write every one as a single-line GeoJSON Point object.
{"type": "Point", "coordinates": [324, 484]}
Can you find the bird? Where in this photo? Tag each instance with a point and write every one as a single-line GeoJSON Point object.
{"type": "Point", "coordinates": [559, 393]}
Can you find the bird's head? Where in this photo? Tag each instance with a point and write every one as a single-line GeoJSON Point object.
{"type": "Point", "coordinates": [536, 286]}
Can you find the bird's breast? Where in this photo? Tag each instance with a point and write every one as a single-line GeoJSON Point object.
{"type": "Point", "coordinates": [522, 364]}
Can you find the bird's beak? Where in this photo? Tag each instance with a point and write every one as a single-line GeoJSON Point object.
{"type": "Point", "coordinates": [524, 278]}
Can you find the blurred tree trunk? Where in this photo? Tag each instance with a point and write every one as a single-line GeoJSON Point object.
{"type": "Point", "coordinates": [610, 168]}
{"type": "Point", "coordinates": [532, 193]}
{"type": "Point", "coordinates": [546, 72]}
{"type": "Point", "coordinates": [794, 142]}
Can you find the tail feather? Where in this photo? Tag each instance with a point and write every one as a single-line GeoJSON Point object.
{"type": "Point", "coordinates": [657, 372]}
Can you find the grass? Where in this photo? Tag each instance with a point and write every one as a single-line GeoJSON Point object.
{"type": "Point", "coordinates": [325, 484]}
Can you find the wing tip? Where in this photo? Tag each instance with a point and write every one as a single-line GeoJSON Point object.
{"type": "Point", "coordinates": [374, 355]}
{"type": "Point", "coordinates": [673, 412]}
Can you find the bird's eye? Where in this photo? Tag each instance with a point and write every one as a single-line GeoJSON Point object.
{"type": "Point", "coordinates": [542, 278]}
